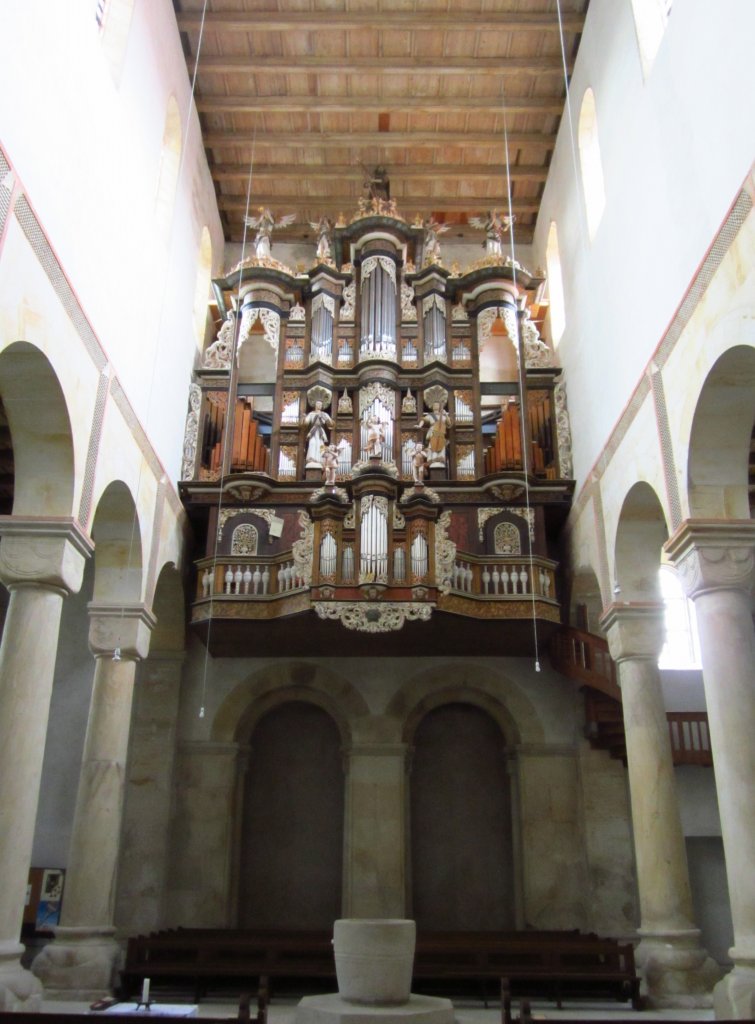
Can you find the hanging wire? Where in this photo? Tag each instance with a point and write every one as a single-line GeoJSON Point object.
{"type": "Point", "coordinates": [161, 314]}
{"type": "Point", "coordinates": [523, 376]}
{"type": "Point", "coordinates": [228, 439]}
{"type": "Point", "coordinates": [581, 200]}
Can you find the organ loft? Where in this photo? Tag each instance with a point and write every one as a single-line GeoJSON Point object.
{"type": "Point", "coordinates": [376, 443]}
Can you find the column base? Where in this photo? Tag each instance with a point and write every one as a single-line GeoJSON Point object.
{"type": "Point", "coordinates": [19, 989]}
{"type": "Point", "coordinates": [676, 969]}
{"type": "Point", "coordinates": [734, 996]}
{"type": "Point", "coordinates": [80, 963]}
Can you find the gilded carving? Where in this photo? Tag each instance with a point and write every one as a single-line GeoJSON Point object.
{"type": "Point", "coordinates": [445, 554]}
{"type": "Point", "coordinates": [191, 433]}
{"type": "Point", "coordinates": [372, 617]}
{"type": "Point", "coordinates": [563, 431]}
{"type": "Point", "coordinates": [303, 549]}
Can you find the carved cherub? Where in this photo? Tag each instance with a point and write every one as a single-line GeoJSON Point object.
{"type": "Point", "coordinates": [329, 464]}
{"type": "Point", "coordinates": [323, 228]}
{"type": "Point", "coordinates": [431, 249]}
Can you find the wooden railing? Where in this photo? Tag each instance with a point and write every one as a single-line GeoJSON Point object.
{"type": "Point", "coordinates": [246, 576]}
{"type": "Point", "coordinates": [504, 577]}
{"type": "Point", "coordinates": [585, 658]}
{"type": "Point", "coordinates": [690, 739]}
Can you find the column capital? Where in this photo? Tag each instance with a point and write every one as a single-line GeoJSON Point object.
{"type": "Point", "coordinates": [713, 554]}
{"type": "Point", "coordinates": [634, 630]}
{"type": "Point", "coordinates": [127, 627]}
{"type": "Point", "coordinates": [43, 551]}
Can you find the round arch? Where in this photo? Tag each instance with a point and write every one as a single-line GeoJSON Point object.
{"type": "Point", "coordinates": [40, 429]}
{"type": "Point", "coordinates": [720, 437]}
{"type": "Point", "coordinates": [116, 532]}
{"type": "Point", "coordinates": [278, 684]}
{"type": "Point", "coordinates": [169, 610]}
{"type": "Point", "coordinates": [640, 536]}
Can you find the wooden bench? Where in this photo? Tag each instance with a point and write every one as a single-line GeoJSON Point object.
{"type": "Point", "coordinates": [552, 963]}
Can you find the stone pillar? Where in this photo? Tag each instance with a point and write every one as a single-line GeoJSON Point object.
{"type": "Point", "coordinates": [716, 562]}
{"type": "Point", "coordinates": [79, 964]}
{"type": "Point", "coordinates": [375, 839]}
{"type": "Point", "coordinates": [41, 562]}
{"type": "Point", "coordinates": [143, 868]}
{"type": "Point", "coordinates": [676, 968]}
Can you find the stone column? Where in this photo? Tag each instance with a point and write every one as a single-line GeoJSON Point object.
{"type": "Point", "coordinates": [41, 562]}
{"type": "Point", "coordinates": [716, 562]}
{"type": "Point", "coordinates": [145, 836]}
{"type": "Point", "coordinates": [79, 964]}
{"type": "Point", "coordinates": [676, 968]}
{"type": "Point", "coordinates": [375, 834]}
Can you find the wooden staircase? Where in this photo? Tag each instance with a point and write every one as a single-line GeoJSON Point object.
{"type": "Point", "coordinates": [585, 658]}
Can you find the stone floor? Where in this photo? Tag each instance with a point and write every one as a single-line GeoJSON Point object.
{"type": "Point", "coordinates": [467, 1012]}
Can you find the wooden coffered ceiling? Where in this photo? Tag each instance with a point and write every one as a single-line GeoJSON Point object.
{"type": "Point", "coordinates": [307, 96]}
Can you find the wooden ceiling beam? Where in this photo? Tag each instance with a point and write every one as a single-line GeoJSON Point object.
{"type": "Point", "coordinates": [430, 21]}
{"type": "Point", "coordinates": [383, 65]}
{"type": "Point", "coordinates": [409, 172]}
{"type": "Point", "coordinates": [346, 204]}
{"type": "Point", "coordinates": [385, 140]}
{"type": "Point", "coordinates": [364, 104]}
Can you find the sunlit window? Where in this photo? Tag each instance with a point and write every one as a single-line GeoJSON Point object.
{"type": "Point", "coordinates": [170, 162]}
{"type": "Point", "coordinates": [650, 19]}
{"type": "Point", "coordinates": [113, 19]}
{"type": "Point", "coordinates": [201, 292]}
{"type": "Point", "coordinates": [682, 647]}
{"type": "Point", "coordinates": [591, 164]}
{"type": "Point", "coordinates": [555, 285]}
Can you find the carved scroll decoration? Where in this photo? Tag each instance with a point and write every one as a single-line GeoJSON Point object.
{"type": "Point", "coordinates": [459, 312]}
{"type": "Point", "coordinates": [372, 617]}
{"type": "Point", "coordinates": [528, 514]}
{"type": "Point", "coordinates": [268, 514]}
{"type": "Point", "coordinates": [271, 323]}
{"type": "Point", "coordinates": [398, 519]}
{"type": "Point", "coordinates": [297, 312]}
{"type": "Point", "coordinates": [384, 262]}
{"type": "Point", "coordinates": [408, 309]}
{"type": "Point", "coordinates": [218, 355]}
{"type": "Point", "coordinates": [563, 431]}
{"type": "Point", "coordinates": [434, 300]}
{"type": "Point", "coordinates": [303, 549]}
{"type": "Point", "coordinates": [349, 301]}
{"type": "Point", "coordinates": [191, 433]}
{"type": "Point", "coordinates": [370, 392]}
{"type": "Point", "coordinates": [321, 299]}
{"type": "Point", "coordinates": [445, 554]}
{"type": "Point", "coordinates": [536, 352]}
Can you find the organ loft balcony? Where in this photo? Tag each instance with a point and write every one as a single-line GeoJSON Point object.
{"type": "Point", "coordinates": [377, 448]}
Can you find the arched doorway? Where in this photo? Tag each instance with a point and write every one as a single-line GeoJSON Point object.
{"type": "Point", "coordinates": [461, 822]}
{"type": "Point", "coordinates": [291, 835]}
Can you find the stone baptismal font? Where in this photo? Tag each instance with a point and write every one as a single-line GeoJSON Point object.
{"type": "Point", "coordinates": [374, 960]}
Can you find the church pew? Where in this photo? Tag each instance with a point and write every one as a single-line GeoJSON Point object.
{"type": "Point", "coordinates": [539, 962]}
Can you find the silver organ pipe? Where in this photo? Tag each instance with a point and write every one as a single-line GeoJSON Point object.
{"type": "Point", "coordinates": [322, 330]}
{"type": "Point", "coordinates": [378, 335]}
{"type": "Point", "coordinates": [328, 555]}
{"type": "Point", "coordinates": [373, 558]}
{"type": "Point", "coordinates": [419, 557]}
{"type": "Point", "coordinates": [347, 564]}
{"type": "Point", "coordinates": [435, 330]}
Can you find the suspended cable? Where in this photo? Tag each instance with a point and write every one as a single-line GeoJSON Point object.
{"type": "Point", "coordinates": [228, 439]}
{"type": "Point", "coordinates": [522, 359]}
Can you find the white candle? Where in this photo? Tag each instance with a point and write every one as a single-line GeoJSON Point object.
{"type": "Point", "coordinates": [145, 991]}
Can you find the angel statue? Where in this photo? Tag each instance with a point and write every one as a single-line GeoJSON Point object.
{"type": "Point", "coordinates": [322, 229]}
{"type": "Point", "coordinates": [431, 248]}
{"type": "Point", "coordinates": [265, 223]}
{"type": "Point", "coordinates": [495, 228]}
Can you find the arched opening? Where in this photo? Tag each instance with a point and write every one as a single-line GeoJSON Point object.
{"type": "Point", "coordinates": [640, 536]}
{"type": "Point", "coordinates": [461, 822]}
{"type": "Point", "coordinates": [202, 289]}
{"type": "Point", "coordinates": [290, 860]}
{"type": "Point", "coordinates": [117, 547]}
{"type": "Point", "coordinates": [555, 285]}
{"type": "Point", "coordinates": [170, 163]}
{"type": "Point", "coordinates": [586, 602]}
{"type": "Point", "coordinates": [720, 442]}
{"type": "Point", "coordinates": [591, 163]}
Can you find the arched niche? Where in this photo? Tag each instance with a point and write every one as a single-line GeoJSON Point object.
{"type": "Point", "coordinates": [461, 822]}
{"type": "Point", "coordinates": [591, 164]}
{"type": "Point", "coordinates": [117, 547]}
{"type": "Point", "coordinates": [640, 535]}
{"type": "Point", "coordinates": [169, 610]}
{"type": "Point", "coordinates": [586, 602]}
{"type": "Point", "coordinates": [40, 433]}
{"type": "Point", "coordinates": [720, 438]}
{"type": "Point", "coordinates": [291, 821]}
